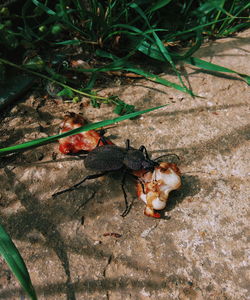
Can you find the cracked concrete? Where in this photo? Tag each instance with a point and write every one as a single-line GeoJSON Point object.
{"type": "Point", "coordinates": [200, 252]}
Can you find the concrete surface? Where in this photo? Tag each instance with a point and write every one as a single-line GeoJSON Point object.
{"type": "Point", "coordinates": [200, 252]}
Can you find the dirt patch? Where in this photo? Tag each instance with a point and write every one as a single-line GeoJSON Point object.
{"type": "Point", "coordinates": [199, 253]}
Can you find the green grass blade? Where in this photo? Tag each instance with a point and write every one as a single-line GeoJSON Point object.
{"type": "Point", "coordinates": [159, 44]}
{"type": "Point", "coordinates": [158, 5]}
{"type": "Point", "coordinates": [158, 79]}
{"type": "Point", "coordinates": [126, 66]}
{"type": "Point", "coordinates": [44, 7]}
{"type": "Point", "coordinates": [193, 29]}
{"type": "Point", "coordinates": [236, 28]}
{"type": "Point", "coordinates": [131, 31]}
{"type": "Point", "coordinates": [14, 260]}
{"type": "Point", "coordinates": [22, 68]}
{"type": "Point", "coordinates": [223, 27]}
{"type": "Point", "coordinates": [42, 141]}
{"type": "Point", "coordinates": [162, 49]}
{"type": "Point", "coordinates": [60, 16]}
{"type": "Point", "coordinates": [195, 47]}
{"type": "Point", "coordinates": [68, 42]}
{"type": "Point", "coordinates": [194, 61]}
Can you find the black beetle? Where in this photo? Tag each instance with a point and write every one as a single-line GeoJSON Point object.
{"type": "Point", "coordinates": [111, 158]}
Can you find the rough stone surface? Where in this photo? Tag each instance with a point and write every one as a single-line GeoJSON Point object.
{"type": "Point", "coordinates": [201, 252]}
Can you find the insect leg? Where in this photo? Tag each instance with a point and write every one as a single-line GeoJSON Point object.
{"type": "Point", "coordinates": [102, 138]}
{"type": "Point", "coordinates": [141, 181]}
{"type": "Point", "coordinates": [77, 184]}
{"type": "Point", "coordinates": [127, 207]}
{"type": "Point", "coordinates": [127, 144]}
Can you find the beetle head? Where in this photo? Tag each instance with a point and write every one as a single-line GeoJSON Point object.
{"type": "Point", "coordinates": [149, 164]}
{"type": "Point", "coordinates": [136, 160]}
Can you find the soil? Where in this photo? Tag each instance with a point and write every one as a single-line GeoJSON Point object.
{"type": "Point", "coordinates": [199, 252]}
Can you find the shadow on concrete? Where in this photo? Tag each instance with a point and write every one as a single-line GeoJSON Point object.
{"type": "Point", "coordinates": [44, 219]}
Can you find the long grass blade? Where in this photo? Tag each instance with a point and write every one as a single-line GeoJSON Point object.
{"type": "Point", "coordinates": [42, 141]}
{"type": "Point", "coordinates": [14, 260]}
{"type": "Point", "coordinates": [194, 61]}
{"type": "Point", "coordinates": [122, 64]}
{"type": "Point", "coordinates": [153, 52]}
{"type": "Point", "coordinates": [158, 79]}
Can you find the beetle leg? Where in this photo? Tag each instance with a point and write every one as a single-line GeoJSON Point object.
{"type": "Point", "coordinates": [127, 144]}
{"type": "Point", "coordinates": [79, 183]}
{"type": "Point", "coordinates": [142, 185]}
{"type": "Point", "coordinates": [98, 143]}
{"type": "Point", "coordinates": [127, 207]}
{"type": "Point", "coordinates": [102, 138]}
{"type": "Point", "coordinates": [139, 180]}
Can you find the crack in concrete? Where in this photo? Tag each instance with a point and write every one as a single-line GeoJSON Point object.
{"type": "Point", "coordinates": [108, 263]}
{"type": "Point", "coordinates": [105, 270]}
{"type": "Point", "coordinates": [146, 232]}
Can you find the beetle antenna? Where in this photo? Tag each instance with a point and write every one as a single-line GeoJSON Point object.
{"type": "Point", "coordinates": [144, 150]}
{"type": "Point", "coordinates": [169, 154]}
